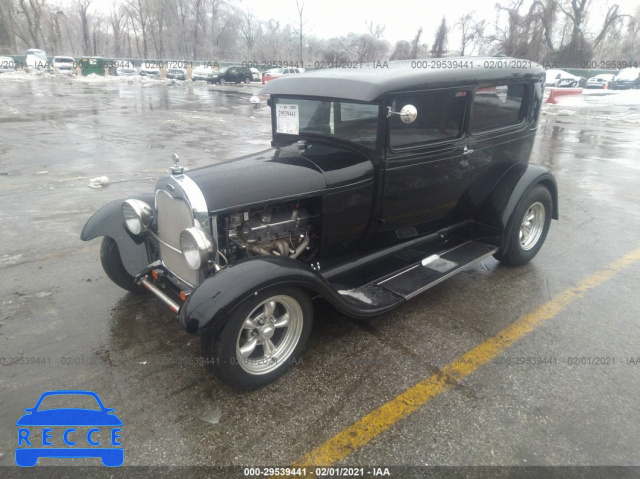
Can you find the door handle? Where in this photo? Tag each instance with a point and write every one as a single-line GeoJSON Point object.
{"type": "Point", "coordinates": [467, 151]}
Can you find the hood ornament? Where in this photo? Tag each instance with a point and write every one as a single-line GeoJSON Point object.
{"type": "Point", "coordinates": [176, 169]}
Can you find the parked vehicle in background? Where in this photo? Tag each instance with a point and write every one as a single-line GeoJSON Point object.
{"type": "Point", "coordinates": [600, 81]}
{"type": "Point", "coordinates": [177, 73]}
{"type": "Point", "coordinates": [126, 71]}
{"type": "Point", "coordinates": [278, 72]}
{"type": "Point", "coordinates": [553, 77]}
{"type": "Point", "coordinates": [231, 75]}
{"type": "Point", "coordinates": [36, 60]}
{"type": "Point", "coordinates": [378, 185]}
{"type": "Point", "coordinates": [572, 82]}
{"type": "Point", "coordinates": [201, 73]}
{"type": "Point", "coordinates": [7, 64]}
{"type": "Point", "coordinates": [257, 76]}
{"type": "Point", "coordinates": [61, 64]}
{"type": "Point", "coordinates": [629, 78]}
{"type": "Point", "coordinates": [149, 71]}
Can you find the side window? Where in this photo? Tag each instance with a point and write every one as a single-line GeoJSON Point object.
{"type": "Point", "coordinates": [440, 117]}
{"type": "Point", "coordinates": [497, 106]}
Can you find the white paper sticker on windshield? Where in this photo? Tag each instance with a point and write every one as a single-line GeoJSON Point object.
{"type": "Point", "coordinates": [287, 119]}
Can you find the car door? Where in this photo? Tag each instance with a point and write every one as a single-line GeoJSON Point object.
{"type": "Point", "coordinates": [425, 170]}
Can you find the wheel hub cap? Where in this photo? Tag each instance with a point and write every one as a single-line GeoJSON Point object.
{"type": "Point", "coordinates": [532, 226]}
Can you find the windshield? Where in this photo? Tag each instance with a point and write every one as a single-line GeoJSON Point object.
{"type": "Point", "coordinates": [356, 122]}
{"type": "Point", "coordinates": [222, 70]}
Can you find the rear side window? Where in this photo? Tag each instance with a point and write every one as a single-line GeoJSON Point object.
{"type": "Point", "coordinates": [497, 106]}
{"type": "Point", "coordinates": [440, 117]}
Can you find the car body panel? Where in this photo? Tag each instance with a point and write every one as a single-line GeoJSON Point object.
{"type": "Point", "coordinates": [375, 200]}
{"type": "Point", "coordinates": [279, 173]}
{"type": "Point", "coordinates": [107, 221]}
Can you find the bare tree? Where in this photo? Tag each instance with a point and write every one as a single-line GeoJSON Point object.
{"type": "Point", "coordinates": [300, 29]}
{"type": "Point", "coordinates": [138, 12]}
{"type": "Point", "coordinates": [117, 20]}
{"type": "Point", "coordinates": [82, 7]}
{"type": "Point", "coordinates": [7, 23]}
{"type": "Point", "coordinates": [415, 45]}
{"type": "Point", "coordinates": [32, 11]}
{"type": "Point", "coordinates": [249, 28]}
{"type": "Point", "coordinates": [401, 51]}
{"type": "Point", "coordinates": [469, 31]}
{"type": "Point", "coordinates": [440, 42]}
{"type": "Point", "coordinates": [377, 31]}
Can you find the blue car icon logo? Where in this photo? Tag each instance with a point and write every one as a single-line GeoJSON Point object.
{"type": "Point", "coordinates": [73, 428]}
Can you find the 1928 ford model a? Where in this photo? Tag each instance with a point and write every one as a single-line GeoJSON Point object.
{"type": "Point", "coordinates": [380, 183]}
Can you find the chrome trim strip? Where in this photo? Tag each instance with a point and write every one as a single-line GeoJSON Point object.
{"type": "Point", "coordinates": [453, 272]}
{"type": "Point", "coordinates": [175, 307]}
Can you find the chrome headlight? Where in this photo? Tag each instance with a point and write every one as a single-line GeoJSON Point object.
{"type": "Point", "coordinates": [197, 247]}
{"type": "Point", "coordinates": [137, 215]}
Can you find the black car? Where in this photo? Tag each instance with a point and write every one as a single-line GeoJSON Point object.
{"type": "Point", "coordinates": [379, 184]}
{"type": "Point", "coordinates": [231, 75]}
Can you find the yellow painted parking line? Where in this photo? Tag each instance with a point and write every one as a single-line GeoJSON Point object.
{"type": "Point", "coordinates": [376, 422]}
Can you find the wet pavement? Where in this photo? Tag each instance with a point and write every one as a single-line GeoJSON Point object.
{"type": "Point", "coordinates": [58, 307]}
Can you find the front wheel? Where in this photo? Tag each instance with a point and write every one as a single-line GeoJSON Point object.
{"type": "Point", "coordinates": [531, 221]}
{"type": "Point", "coordinates": [222, 81]}
{"type": "Point", "coordinates": [261, 339]}
{"type": "Point", "coordinates": [112, 265]}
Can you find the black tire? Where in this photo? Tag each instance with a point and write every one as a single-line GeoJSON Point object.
{"type": "Point", "coordinates": [519, 250]}
{"type": "Point", "coordinates": [112, 265]}
{"type": "Point", "coordinates": [221, 350]}
{"type": "Point", "coordinates": [222, 81]}
{"type": "Point", "coordinates": [247, 80]}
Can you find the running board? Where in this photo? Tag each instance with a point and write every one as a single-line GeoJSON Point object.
{"type": "Point", "coordinates": [436, 268]}
{"type": "Point", "coordinates": [417, 278]}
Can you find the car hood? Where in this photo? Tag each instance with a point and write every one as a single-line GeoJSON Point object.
{"type": "Point", "coordinates": [69, 417]}
{"type": "Point", "coordinates": [280, 173]}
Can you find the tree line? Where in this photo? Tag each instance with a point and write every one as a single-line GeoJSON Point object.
{"type": "Point", "coordinates": [546, 31]}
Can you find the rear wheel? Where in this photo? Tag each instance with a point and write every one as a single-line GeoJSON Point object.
{"type": "Point", "coordinates": [112, 265]}
{"type": "Point", "coordinates": [247, 80]}
{"type": "Point", "coordinates": [261, 339]}
{"type": "Point", "coordinates": [222, 81]}
{"type": "Point", "coordinates": [531, 221]}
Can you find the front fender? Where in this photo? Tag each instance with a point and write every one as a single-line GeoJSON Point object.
{"type": "Point", "coordinates": [209, 306]}
{"type": "Point", "coordinates": [498, 209]}
{"type": "Point", "coordinates": [108, 221]}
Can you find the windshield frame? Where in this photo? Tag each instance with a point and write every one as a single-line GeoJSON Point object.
{"type": "Point", "coordinates": [284, 137]}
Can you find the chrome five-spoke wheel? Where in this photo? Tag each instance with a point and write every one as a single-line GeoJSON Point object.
{"type": "Point", "coordinates": [269, 334]}
{"type": "Point", "coordinates": [532, 226]}
{"type": "Point", "coordinates": [261, 338]}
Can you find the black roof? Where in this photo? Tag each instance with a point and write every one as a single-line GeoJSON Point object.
{"type": "Point", "coordinates": [371, 81]}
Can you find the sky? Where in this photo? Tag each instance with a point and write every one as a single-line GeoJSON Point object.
{"type": "Point", "coordinates": [402, 18]}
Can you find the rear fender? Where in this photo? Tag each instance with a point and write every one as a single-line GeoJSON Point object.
{"type": "Point", "coordinates": [208, 307]}
{"type": "Point", "coordinates": [108, 221]}
{"type": "Point", "coordinates": [497, 211]}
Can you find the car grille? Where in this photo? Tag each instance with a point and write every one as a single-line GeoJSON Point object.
{"type": "Point", "coordinates": [174, 215]}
